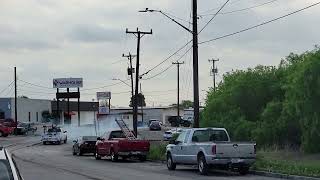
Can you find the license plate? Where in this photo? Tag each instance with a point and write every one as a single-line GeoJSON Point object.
{"type": "Point", "coordinates": [135, 153]}
{"type": "Point", "coordinates": [236, 160]}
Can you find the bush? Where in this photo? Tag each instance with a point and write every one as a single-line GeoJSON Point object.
{"type": "Point", "coordinates": [157, 152]}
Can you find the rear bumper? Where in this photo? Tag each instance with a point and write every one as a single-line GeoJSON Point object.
{"type": "Point", "coordinates": [133, 153]}
{"type": "Point", "coordinates": [211, 160]}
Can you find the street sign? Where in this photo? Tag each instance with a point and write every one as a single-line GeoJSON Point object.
{"type": "Point", "coordinates": [103, 95]}
{"type": "Point", "coordinates": [68, 83]}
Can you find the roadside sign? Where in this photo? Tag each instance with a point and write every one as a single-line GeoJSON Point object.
{"type": "Point", "coordinates": [68, 83]}
{"type": "Point", "coordinates": [103, 95]}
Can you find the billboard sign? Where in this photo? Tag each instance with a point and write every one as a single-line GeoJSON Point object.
{"type": "Point", "coordinates": [68, 83]}
{"type": "Point", "coordinates": [103, 95]}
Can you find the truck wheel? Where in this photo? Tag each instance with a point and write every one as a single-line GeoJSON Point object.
{"type": "Point", "coordinates": [58, 142]}
{"type": "Point", "coordinates": [143, 158]}
{"type": "Point", "coordinates": [1, 134]}
{"type": "Point", "coordinates": [65, 141]}
{"type": "Point", "coordinates": [243, 170]}
{"type": "Point", "coordinates": [74, 152]}
{"type": "Point", "coordinates": [97, 156]}
{"type": "Point", "coordinates": [170, 164]}
{"type": "Point", "coordinates": [114, 157]}
{"type": "Point", "coordinates": [5, 135]}
{"type": "Point", "coordinates": [44, 143]}
{"type": "Point", "coordinates": [80, 153]}
{"type": "Point", "coordinates": [202, 165]}
{"type": "Point", "coordinates": [186, 124]}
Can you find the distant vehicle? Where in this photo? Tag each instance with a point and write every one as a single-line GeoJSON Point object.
{"type": "Point", "coordinates": [169, 134]}
{"type": "Point", "coordinates": [210, 147]}
{"type": "Point", "coordinates": [84, 144]}
{"type": "Point", "coordinates": [5, 131]}
{"type": "Point", "coordinates": [176, 121]}
{"type": "Point", "coordinates": [8, 122]}
{"type": "Point", "coordinates": [115, 144]}
{"type": "Point", "coordinates": [26, 127]}
{"type": "Point", "coordinates": [155, 126]}
{"type": "Point", "coordinates": [54, 135]}
{"type": "Point", "coordinates": [8, 168]}
{"type": "Point", "coordinates": [152, 120]}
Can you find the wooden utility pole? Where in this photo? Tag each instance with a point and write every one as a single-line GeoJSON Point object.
{"type": "Point", "coordinates": [214, 71]}
{"type": "Point", "coordinates": [130, 70]}
{"type": "Point", "coordinates": [139, 34]}
{"type": "Point", "coordinates": [195, 64]}
{"type": "Point", "coordinates": [178, 88]}
{"type": "Point", "coordinates": [15, 101]}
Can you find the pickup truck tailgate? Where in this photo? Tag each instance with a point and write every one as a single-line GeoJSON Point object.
{"type": "Point", "coordinates": [235, 150]}
{"type": "Point", "coordinates": [134, 145]}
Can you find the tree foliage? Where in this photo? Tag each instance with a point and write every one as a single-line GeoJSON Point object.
{"type": "Point", "coordinates": [271, 105]}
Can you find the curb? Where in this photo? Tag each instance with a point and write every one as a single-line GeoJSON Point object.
{"type": "Point", "coordinates": [282, 176]}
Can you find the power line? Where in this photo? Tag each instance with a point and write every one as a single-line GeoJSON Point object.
{"type": "Point", "coordinates": [101, 87]}
{"type": "Point", "coordinates": [34, 84]}
{"type": "Point", "coordinates": [6, 87]}
{"type": "Point", "coordinates": [243, 9]}
{"type": "Point", "coordinates": [169, 57]}
{"type": "Point", "coordinates": [168, 66]}
{"type": "Point", "coordinates": [264, 23]}
{"type": "Point", "coordinates": [218, 7]}
{"type": "Point", "coordinates": [214, 16]}
{"type": "Point", "coordinates": [169, 14]}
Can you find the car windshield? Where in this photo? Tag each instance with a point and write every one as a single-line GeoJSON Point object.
{"type": "Point", "coordinates": [117, 134]}
{"type": "Point", "coordinates": [5, 170]}
{"type": "Point", "coordinates": [210, 135]}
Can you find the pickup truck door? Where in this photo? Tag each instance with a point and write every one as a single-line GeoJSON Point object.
{"type": "Point", "coordinates": [187, 149]}
{"type": "Point", "coordinates": [177, 149]}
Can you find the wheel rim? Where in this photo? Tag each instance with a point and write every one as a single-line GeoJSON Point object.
{"type": "Point", "coordinates": [201, 165]}
{"type": "Point", "coordinates": [169, 162]}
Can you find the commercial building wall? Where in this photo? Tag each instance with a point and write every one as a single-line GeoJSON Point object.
{"type": "Point", "coordinates": [5, 107]}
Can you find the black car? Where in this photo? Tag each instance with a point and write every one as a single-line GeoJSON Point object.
{"type": "Point", "coordinates": [155, 126]}
{"type": "Point", "coordinates": [84, 144]}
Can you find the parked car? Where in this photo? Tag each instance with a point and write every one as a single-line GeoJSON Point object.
{"type": "Point", "coordinates": [54, 135]}
{"type": "Point", "coordinates": [84, 144]}
{"type": "Point", "coordinates": [25, 127]}
{"type": "Point", "coordinates": [169, 134]}
{"type": "Point", "coordinates": [155, 126]}
{"type": "Point", "coordinates": [8, 168]}
{"type": "Point", "coordinates": [115, 145]}
{"type": "Point", "coordinates": [210, 147]}
{"type": "Point", "coordinates": [8, 122]}
{"type": "Point", "coordinates": [176, 121]}
{"type": "Point", "coordinates": [4, 130]}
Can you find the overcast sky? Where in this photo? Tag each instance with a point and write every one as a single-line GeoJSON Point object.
{"type": "Point", "coordinates": [48, 39]}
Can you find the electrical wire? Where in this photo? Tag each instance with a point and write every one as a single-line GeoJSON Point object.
{"type": "Point", "coordinates": [36, 85]}
{"type": "Point", "coordinates": [168, 66]}
{"type": "Point", "coordinates": [243, 9]}
{"type": "Point", "coordinates": [6, 87]}
{"type": "Point", "coordinates": [214, 16]}
{"type": "Point", "coordinates": [261, 24]}
{"type": "Point", "coordinates": [101, 87]}
{"type": "Point", "coordinates": [218, 7]}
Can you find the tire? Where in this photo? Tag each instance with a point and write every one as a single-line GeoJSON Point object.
{"type": "Point", "coordinates": [44, 143]}
{"type": "Point", "coordinates": [170, 164]}
{"type": "Point", "coordinates": [186, 124]}
{"type": "Point", "coordinates": [114, 157]}
{"type": "Point", "coordinates": [80, 153]}
{"type": "Point", "coordinates": [203, 167]}
{"type": "Point", "coordinates": [65, 141]}
{"type": "Point", "coordinates": [1, 134]}
{"type": "Point", "coordinates": [244, 170]}
{"type": "Point", "coordinates": [5, 135]}
{"type": "Point", "coordinates": [142, 158]}
{"type": "Point", "coordinates": [58, 142]}
{"type": "Point", "coordinates": [73, 152]}
{"type": "Point", "coordinates": [97, 156]}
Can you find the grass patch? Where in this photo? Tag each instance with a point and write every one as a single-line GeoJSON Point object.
{"type": "Point", "coordinates": [157, 152]}
{"type": "Point", "coordinates": [288, 163]}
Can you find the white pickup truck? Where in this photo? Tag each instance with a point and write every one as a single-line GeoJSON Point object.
{"type": "Point", "coordinates": [54, 135]}
{"type": "Point", "coordinates": [210, 147]}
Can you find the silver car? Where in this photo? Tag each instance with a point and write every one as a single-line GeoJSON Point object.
{"type": "Point", "coordinates": [8, 169]}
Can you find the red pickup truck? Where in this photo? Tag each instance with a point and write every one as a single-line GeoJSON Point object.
{"type": "Point", "coordinates": [5, 131]}
{"type": "Point", "coordinates": [115, 145]}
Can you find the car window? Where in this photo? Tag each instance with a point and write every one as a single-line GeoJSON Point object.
{"type": "Point", "coordinates": [210, 135]}
{"type": "Point", "coordinates": [117, 134]}
{"type": "Point", "coordinates": [5, 170]}
{"type": "Point", "coordinates": [181, 136]}
{"type": "Point", "coordinates": [187, 136]}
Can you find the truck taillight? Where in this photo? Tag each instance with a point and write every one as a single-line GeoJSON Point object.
{"type": "Point", "coordinates": [214, 149]}
{"type": "Point", "coordinates": [255, 149]}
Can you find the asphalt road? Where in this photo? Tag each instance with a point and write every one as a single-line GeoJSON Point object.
{"type": "Point", "coordinates": [52, 162]}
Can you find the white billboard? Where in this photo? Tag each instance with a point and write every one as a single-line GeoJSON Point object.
{"type": "Point", "coordinates": [68, 83]}
{"type": "Point", "coordinates": [103, 95]}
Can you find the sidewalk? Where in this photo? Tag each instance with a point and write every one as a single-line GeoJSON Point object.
{"type": "Point", "coordinates": [11, 140]}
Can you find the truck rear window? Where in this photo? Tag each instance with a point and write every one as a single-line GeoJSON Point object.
{"type": "Point", "coordinates": [210, 135]}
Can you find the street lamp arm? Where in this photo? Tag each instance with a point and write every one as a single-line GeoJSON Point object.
{"type": "Point", "coordinates": [181, 25]}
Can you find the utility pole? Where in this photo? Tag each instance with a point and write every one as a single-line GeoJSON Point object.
{"type": "Point", "coordinates": [195, 64]}
{"type": "Point", "coordinates": [15, 101]}
{"type": "Point", "coordinates": [178, 89]}
{"type": "Point", "coordinates": [214, 71]}
{"type": "Point", "coordinates": [139, 34]}
{"type": "Point", "coordinates": [130, 70]}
